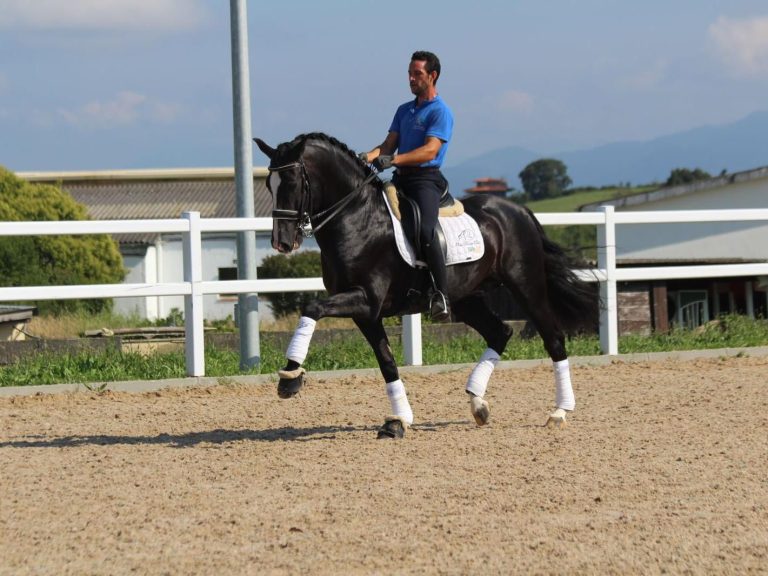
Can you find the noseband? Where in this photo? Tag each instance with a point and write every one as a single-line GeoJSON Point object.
{"type": "Point", "coordinates": [304, 221]}
{"type": "Point", "coordinates": [301, 217]}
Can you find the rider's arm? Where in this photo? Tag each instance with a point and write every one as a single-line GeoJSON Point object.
{"type": "Point", "coordinates": [419, 155]}
{"type": "Point", "coordinates": [387, 147]}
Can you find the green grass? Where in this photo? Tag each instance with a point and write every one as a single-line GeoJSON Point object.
{"type": "Point", "coordinates": [353, 352]}
{"type": "Point", "coordinates": [572, 202]}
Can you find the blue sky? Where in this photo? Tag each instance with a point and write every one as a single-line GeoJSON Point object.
{"type": "Point", "coordinates": [110, 84]}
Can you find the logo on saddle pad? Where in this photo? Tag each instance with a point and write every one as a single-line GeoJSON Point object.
{"type": "Point", "coordinates": [461, 238]}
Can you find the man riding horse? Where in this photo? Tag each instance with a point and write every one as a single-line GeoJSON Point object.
{"type": "Point", "coordinates": [416, 146]}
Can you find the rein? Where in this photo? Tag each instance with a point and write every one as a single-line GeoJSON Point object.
{"type": "Point", "coordinates": [302, 217]}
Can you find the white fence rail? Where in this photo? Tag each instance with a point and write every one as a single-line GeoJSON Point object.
{"type": "Point", "coordinates": [192, 227]}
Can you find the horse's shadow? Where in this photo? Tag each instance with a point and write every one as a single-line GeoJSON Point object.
{"type": "Point", "coordinates": [215, 437]}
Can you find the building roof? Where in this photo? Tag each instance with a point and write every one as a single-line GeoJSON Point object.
{"type": "Point", "coordinates": [489, 185]}
{"type": "Point", "coordinates": [682, 190]}
{"type": "Point", "coordinates": [149, 194]}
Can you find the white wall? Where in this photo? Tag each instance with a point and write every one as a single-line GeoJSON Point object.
{"type": "Point", "coordinates": [134, 264]}
{"type": "Point", "coordinates": [719, 240]}
{"type": "Point", "coordinates": [164, 263]}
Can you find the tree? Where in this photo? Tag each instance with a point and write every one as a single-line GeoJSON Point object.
{"type": "Point", "coordinates": [53, 260]}
{"type": "Point", "coordinates": [680, 176]}
{"type": "Point", "coordinates": [304, 264]}
{"type": "Point", "coordinates": [545, 178]}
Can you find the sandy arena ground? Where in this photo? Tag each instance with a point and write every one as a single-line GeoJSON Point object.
{"type": "Point", "coordinates": [662, 470]}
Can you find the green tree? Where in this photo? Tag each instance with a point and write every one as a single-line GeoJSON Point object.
{"type": "Point", "coordinates": [545, 178]}
{"type": "Point", "coordinates": [680, 176]}
{"type": "Point", "coordinates": [304, 264]}
{"type": "Point", "coordinates": [53, 260]}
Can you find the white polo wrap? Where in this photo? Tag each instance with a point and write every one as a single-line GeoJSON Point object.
{"type": "Point", "coordinates": [481, 373]}
{"type": "Point", "coordinates": [564, 397]}
{"type": "Point", "coordinates": [299, 345]}
{"type": "Point", "coordinates": [398, 400]}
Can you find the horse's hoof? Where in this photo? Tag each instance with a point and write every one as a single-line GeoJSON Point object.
{"type": "Point", "coordinates": [557, 419]}
{"type": "Point", "coordinates": [290, 382]}
{"type": "Point", "coordinates": [393, 427]}
{"type": "Point", "coordinates": [480, 411]}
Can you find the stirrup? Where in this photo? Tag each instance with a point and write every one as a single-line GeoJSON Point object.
{"type": "Point", "coordinates": [439, 310]}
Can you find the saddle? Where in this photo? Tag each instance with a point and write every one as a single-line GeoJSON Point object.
{"type": "Point", "coordinates": [408, 213]}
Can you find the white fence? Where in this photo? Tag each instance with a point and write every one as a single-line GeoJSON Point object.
{"type": "Point", "coordinates": [191, 226]}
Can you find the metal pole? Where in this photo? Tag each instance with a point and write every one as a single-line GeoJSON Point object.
{"type": "Point", "coordinates": [248, 304]}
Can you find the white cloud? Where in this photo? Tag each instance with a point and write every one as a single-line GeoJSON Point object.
{"type": "Point", "coordinates": [126, 108]}
{"type": "Point", "coordinates": [155, 15]}
{"type": "Point", "coordinates": [743, 44]}
{"type": "Point", "coordinates": [515, 101]}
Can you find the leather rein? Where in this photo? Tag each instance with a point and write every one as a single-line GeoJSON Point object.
{"type": "Point", "coordinates": [304, 221]}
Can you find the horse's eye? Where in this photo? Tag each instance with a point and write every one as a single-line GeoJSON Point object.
{"type": "Point", "coordinates": [274, 182]}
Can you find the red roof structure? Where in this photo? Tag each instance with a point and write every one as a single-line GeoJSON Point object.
{"type": "Point", "coordinates": [497, 186]}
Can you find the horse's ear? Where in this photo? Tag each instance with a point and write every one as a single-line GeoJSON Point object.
{"type": "Point", "coordinates": [264, 147]}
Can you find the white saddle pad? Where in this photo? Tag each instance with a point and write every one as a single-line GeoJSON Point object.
{"type": "Point", "coordinates": [462, 238]}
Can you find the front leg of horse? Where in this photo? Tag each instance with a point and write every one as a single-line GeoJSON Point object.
{"type": "Point", "coordinates": [401, 417]}
{"type": "Point", "coordinates": [293, 375]}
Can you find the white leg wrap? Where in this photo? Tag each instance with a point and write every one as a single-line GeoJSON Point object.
{"type": "Point", "coordinates": [399, 401]}
{"type": "Point", "coordinates": [299, 345]}
{"type": "Point", "coordinates": [564, 397]}
{"type": "Point", "coordinates": [481, 373]}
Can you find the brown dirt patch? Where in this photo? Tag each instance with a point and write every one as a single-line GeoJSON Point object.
{"type": "Point", "coordinates": [662, 470]}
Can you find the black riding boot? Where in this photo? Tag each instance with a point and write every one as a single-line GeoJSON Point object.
{"type": "Point", "coordinates": [439, 308]}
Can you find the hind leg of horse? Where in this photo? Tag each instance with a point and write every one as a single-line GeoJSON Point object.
{"type": "Point", "coordinates": [475, 312]}
{"type": "Point", "coordinates": [534, 300]}
{"type": "Point", "coordinates": [402, 415]}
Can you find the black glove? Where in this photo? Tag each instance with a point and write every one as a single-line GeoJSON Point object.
{"type": "Point", "coordinates": [363, 156]}
{"type": "Point", "coordinates": [382, 162]}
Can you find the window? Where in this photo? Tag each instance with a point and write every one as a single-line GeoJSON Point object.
{"type": "Point", "coordinates": [227, 274]}
{"type": "Point", "coordinates": [692, 308]}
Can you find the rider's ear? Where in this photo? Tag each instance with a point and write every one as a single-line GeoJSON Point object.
{"type": "Point", "coordinates": [264, 147]}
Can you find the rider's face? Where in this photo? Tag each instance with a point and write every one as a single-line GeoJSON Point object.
{"type": "Point", "coordinates": [419, 79]}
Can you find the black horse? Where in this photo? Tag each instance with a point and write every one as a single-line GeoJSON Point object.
{"type": "Point", "coordinates": [321, 187]}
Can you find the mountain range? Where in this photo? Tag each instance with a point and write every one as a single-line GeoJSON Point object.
{"type": "Point", "coordinates": [741, 145]}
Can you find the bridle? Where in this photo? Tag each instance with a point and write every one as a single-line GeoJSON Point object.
{"type": "Point", "coordinates": [309, 224]}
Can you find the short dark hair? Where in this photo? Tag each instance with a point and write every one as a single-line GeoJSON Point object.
{"type": "Point", "coordinates": [432, 61]}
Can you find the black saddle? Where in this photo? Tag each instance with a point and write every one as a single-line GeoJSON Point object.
{"type": "Point", "coordinates": [410, 218]}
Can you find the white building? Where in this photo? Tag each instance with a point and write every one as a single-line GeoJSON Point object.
{"type": "Point", "coordinates": [693, 302]}
{"type": "Point", "coordinates": [150, 258]}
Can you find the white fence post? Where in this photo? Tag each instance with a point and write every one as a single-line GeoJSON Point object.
{"type": "Point", "coordinates": [606, 260]}
{"type": "Point", "coordinates": [412, 340]}
{"type": "Point", "coordinates": [194, 342]}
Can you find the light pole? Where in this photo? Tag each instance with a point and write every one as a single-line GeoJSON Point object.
{"type": "Point", "coordinates": [248, 304]}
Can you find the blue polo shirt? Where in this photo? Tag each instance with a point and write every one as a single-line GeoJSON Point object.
{"type": "Point", "coordinates": [415, 122]}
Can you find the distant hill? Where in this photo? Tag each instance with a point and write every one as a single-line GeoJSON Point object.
{"type": "Point", "coordinates": [742, 145]}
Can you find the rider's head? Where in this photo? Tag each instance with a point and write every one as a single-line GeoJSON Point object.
{"type": "Point", "coordinates": [431, 62]}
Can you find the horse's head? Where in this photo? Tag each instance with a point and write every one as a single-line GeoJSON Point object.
{"type": "Point", "coordinates": [312, 179]}
{"type": "Point", "coordinates": [289, 185]}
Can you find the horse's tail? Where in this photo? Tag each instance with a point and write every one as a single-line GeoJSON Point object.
{"type": "Point", "coordinates": [575, 301]}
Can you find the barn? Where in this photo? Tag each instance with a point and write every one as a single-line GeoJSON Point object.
{"type": "Point", "coordinates": [658, 305]}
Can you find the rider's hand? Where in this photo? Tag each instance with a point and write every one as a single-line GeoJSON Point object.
{"type": "Point", "coordinates": [383, 161]}
{"type": "Point", "coordinates": [363, 156]}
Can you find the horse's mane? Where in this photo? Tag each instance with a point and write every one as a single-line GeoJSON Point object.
{"type": "Point", "coordinates": [334, 143]}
